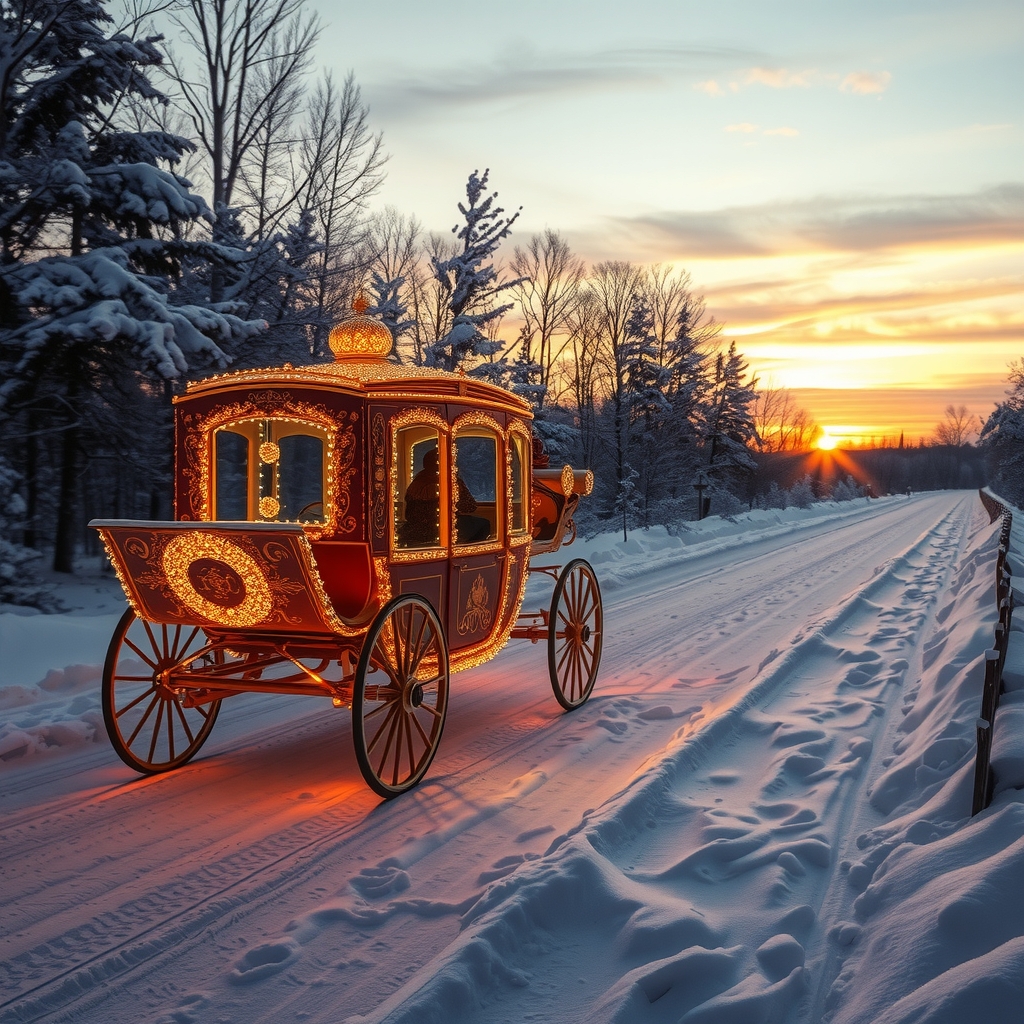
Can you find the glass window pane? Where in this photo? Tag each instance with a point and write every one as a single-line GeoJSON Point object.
{"type": "Point", "coordinates": [418, 493]}
{"type": "Point", "coordinates": [232, 475]}
{"type": "Point", "coordinates": [300, 479]}
{"type": "Point", "coordinates": [518, 505]}
{"type": "Point", "coordinates": [476, 507]}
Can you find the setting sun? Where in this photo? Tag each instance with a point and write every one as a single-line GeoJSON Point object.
{"type": "Point", "coordinates": [826, 442]}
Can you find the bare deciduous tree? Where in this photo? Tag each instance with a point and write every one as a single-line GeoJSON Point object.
{"type": "Point", "coordinates": [957, 425]}
{"type": "Point", "coordinates": [781, 425]}
{"type": "Point", "coordinates": [547, 294]}
{"type": "Point", "coordinates": [245, 68]}
{"type": "Point", "coordinates": [341, 162]}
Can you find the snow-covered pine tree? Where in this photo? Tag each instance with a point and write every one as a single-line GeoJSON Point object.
{"type": "Point", "coordinates": [19, 583]}
{"type": "Point", "coordinates": [471, 282]}
{"type": "Point", "coordinates": [646, 381]}
{"type": "Point", "coordinates": [628, 500]}
{"type": "Point", "coordinates": [90, 230]}
{"type": "Point", "coordinates": [271, 281]}
{"type": "Point", "coordinates": [390, 307]}
{"type": "Point", "coordinates": [1003, 438]}
{"type": "Point", "coordinates": [728, 422]}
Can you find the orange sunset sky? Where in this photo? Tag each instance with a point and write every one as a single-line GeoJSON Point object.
{"type": "Point", "coordinates": [844, 181]}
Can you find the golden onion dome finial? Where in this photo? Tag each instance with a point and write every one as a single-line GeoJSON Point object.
{"type": "Point", "coordinates": [360, 336]}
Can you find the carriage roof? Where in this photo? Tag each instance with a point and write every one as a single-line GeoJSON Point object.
{"type": "Point", "coordinates": [373, 377]}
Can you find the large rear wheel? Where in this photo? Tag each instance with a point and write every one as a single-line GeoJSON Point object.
{"type": "Point", "coordinates": [149, 726]}
{"type": "Point", "coordinates": [575, 634]}
{"type": "Point", "coordinates": [400, 697]}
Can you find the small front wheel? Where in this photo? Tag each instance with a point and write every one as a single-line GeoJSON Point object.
{"type": "Point", "coordinates": [575, 634]}
{"type": "Point", "coordinates": [400, 697]}
{"type": "Point", "coordinates": [150, 729]}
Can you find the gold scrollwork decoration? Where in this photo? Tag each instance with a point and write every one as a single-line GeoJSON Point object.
{"type": "Point", "coordinates": [478, 614]}
{"type": "Point", "coordinates": [378, 490]}
{"type": "Point", "coordinates": [138, 547]}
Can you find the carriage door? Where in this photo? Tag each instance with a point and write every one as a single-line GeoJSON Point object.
{"type": "Point", "coordinates": [478, 531]}
{"type": "Point", "coordinates": [419, 526]}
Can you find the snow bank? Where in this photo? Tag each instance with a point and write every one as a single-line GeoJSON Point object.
{"type": "Point", "coordinates": [710, 890]}
{"type": "Point", "coordinates": [940, 917]}
{"type": "Point", "coordinates": [50, 669]}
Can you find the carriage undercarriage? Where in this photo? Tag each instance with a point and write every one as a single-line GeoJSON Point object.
{"type": "Point", "coordinates": [163, 685]}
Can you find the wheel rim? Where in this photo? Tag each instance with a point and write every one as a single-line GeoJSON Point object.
{"type": "Point", "coordinates": [149, 727]}
{"type": "Point", "coordinates": [575, 633]}
{"type": "Point", "coordinates": [401, 696]}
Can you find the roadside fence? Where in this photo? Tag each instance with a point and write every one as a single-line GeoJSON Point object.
{"type": "Point", "coordinates": [995, 659]}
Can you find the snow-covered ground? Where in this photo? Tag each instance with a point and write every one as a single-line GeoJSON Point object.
{"type": "Point", "coordinates": [762, 814]}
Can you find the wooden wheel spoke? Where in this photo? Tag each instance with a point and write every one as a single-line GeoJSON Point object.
{"type": "Point", "coordinates": [566, 651]}
{"type": "Point", "coordinates": [430, 709]}
{"type": "Point", "coordinates": [141, 697]}
{"type": "Point", "coordinates": [174, 642]}
{"type": "Point", "coordinates": [382, 706]}
{"type": "Point", "coordinates": [423, 735]}
{"type": "Point", "coordinates": [152, 639]}
{"type": "Point", "coordinates": [421, 647]}
{"type": "Point", "coordinates": [142, 721]}
{"type": "Point", "coordinates": [184, 722]}
{"type": "Point", "coordinates": [589, 603]}
{"type": "Point", "coordinates": [409, 718]}
{"type": "Point", "coordinates": [170, 727]}
{"type": "Point", "coordinates": [392, 707]}
{"type": "Point", "coordinates": [156, 731]}
{"type": "Point", "coordinates": [396, 763]}
{"type": "Point", "coordinates": [180, 652]}
{"type": "Point", "coordinates": [387, 746]}
{"type": "Point", "coordinates": [145, 657]}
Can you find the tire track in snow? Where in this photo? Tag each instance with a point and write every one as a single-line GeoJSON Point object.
{"type": "Point", "coordinates": [803, 790]}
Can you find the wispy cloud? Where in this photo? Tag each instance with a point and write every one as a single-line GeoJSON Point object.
{"type": "Point", "coordinates": [779, 78]}
{"type": "Point", "coordinates": [861, 83]}
{"type": "Point", "coordinates": [790, 132]}
{"type": "Point", "coordinates": [864, 83]}
{"type": "Point", "coordinates": [744, 126]}
{"type": "Point", "coordinates": [525, 73]}
{"type": "Point", "coordinates": [711, 87]}
{"type": "Point", "coordinates": [847, 224]}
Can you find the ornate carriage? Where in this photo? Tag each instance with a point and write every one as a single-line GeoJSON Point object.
{"type": "Point", "coordinates": [356, 530]}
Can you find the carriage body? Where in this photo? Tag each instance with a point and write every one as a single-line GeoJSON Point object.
{"type": "Point", "coordinates": [317, 550]}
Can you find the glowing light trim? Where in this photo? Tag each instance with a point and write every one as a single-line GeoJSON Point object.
{"type": "Point", "coordinates": [183, 551]}
{"type": "Point", "coordinates": [415, 417]}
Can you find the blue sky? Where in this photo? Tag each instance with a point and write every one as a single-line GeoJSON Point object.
{"type": "Point", "coordinates": [845, 181]}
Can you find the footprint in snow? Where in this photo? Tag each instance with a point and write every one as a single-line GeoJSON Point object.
{"type": "Point", "coordinates": [262, 961]}
{"type": "Point", "coordinates": [503, 867]}
{"type": "Point", "coordinates": [386, 879]}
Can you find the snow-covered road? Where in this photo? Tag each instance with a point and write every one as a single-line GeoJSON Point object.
{"type": "Point", "coordinates": [674, 849]}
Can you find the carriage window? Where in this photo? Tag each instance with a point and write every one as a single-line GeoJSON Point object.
{"type": "Point", "coordinates": [477, 505]}
{"type": "Point", "coordinates": [518, 503]}
{"type": "Point", "coordinates": [417, 497]}
{"type": "Point", "coordinates": [270, 470]}
{"type": "Point", "coordinates": [300, 479]}
{"type": "Point", "coordinates": [232, 469]}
